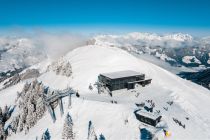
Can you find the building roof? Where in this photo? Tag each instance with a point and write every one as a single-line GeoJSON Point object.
{"type": "Point", "coordinates": [147, 114]}
{"type": "Point", "coordinates": [121, 74]}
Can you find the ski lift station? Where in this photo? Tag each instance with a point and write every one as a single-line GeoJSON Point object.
{"type": "Point", "coordinates": [148, 117]}
{"type": "Point", "coordinates": [122, 80]}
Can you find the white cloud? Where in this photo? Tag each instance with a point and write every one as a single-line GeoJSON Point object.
{"type": "Point", "coordinates": [56, 45]}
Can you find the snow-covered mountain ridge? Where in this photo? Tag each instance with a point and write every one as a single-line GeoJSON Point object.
{"type": "Point", "coordinates": [189, 100]}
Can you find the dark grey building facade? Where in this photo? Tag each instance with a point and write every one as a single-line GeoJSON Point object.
{"type": "Point", "coordinates": [122, 80]}
{"type": "Point", "coordinates": [148, 117]}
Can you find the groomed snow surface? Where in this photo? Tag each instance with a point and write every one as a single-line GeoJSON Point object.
{"type": "Point", "coordinates": [190, 100]}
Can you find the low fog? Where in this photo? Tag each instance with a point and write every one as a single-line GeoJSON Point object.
{"type": "Point", "coordinates": [54, 44]}
{"type": "Point", "coordinates": [57, 45]}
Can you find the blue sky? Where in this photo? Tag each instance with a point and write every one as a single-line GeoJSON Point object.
{"type": "Point", "coordinates": [166, 15]}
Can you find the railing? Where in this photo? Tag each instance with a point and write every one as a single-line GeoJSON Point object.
{"type": "Point", "coordinates": [57, 96]}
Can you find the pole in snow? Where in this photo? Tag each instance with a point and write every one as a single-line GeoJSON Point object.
{"type": "Point", "coordinates": [69, 105]}
{"type": "Point", "coordinates": [61, 106]}
{"type": "Point", "coordinates": [52, 113]}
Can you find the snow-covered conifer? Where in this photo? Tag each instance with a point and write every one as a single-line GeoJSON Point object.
{"type": "Point", "coordinates": [30, 117]}
{"type": "Point", "coordinates": [40, 108]}
{"type": "Point", "coordinates": [14, 123]}
{"type": "Point", "coordinates": [68, 128]}
{"type": "Point", "coordinates": [46, 135]}
{"type": "Point", "coordinates": [101, 137]}
{"type": "Point", "coordinates": [91, 132]}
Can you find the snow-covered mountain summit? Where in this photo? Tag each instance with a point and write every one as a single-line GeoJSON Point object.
{"type": "Point", "coordinates": [190, 101]}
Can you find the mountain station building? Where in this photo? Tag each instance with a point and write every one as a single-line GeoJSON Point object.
{"type": "Point", "coordinates": [122, 80]}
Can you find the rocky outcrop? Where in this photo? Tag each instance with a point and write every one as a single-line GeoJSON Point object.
{"type": "Point", "coordinates": [30, 73]}
{"type": "Point", "coordinates": [12, 81]}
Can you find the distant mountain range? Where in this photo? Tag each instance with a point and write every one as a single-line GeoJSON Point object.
{"type": "Point", "coordinates": [16, 54]}
{"type": "Point", "coordinates": [176, 49]}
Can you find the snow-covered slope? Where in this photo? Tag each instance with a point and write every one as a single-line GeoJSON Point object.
{"type": "Point", "coordinates": [190, 100]}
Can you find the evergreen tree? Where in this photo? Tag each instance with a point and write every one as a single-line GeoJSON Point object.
{"type": "Point", "coordinates": [6, 109]}
{"type": "Point", "coordinates": [21, 121]}
{"type": "Point", "coordinates": [40, 108]}
{"type": "Point", "coordinates": [32, 108]}
{"type": "Point", "coordinates": [30, 119]}
{"type": "Point", "coordinates": [90, 87]}
{"type": "Point", "coordinates": [67, 70]}
{"type": "Point", "coordinates": [101, 137]}
{"type": "Point", "coordinates": [1, 113]}
{"type": "Point", "coordinates": [14, 123]}
{"type": "Point", "coordinates": [68, 128]}
{"type": "Point", "coordinates": [1, 132]}
{"type": "Point", "coordinates": [46, 135]}
{"type": "Point", "coordinates": [91, 132]}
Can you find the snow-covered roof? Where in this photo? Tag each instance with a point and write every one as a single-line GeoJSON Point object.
{"type": "Point", "coordinates": [121, 74]}
{"type": "Point", "coordinates": [147, 114]}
